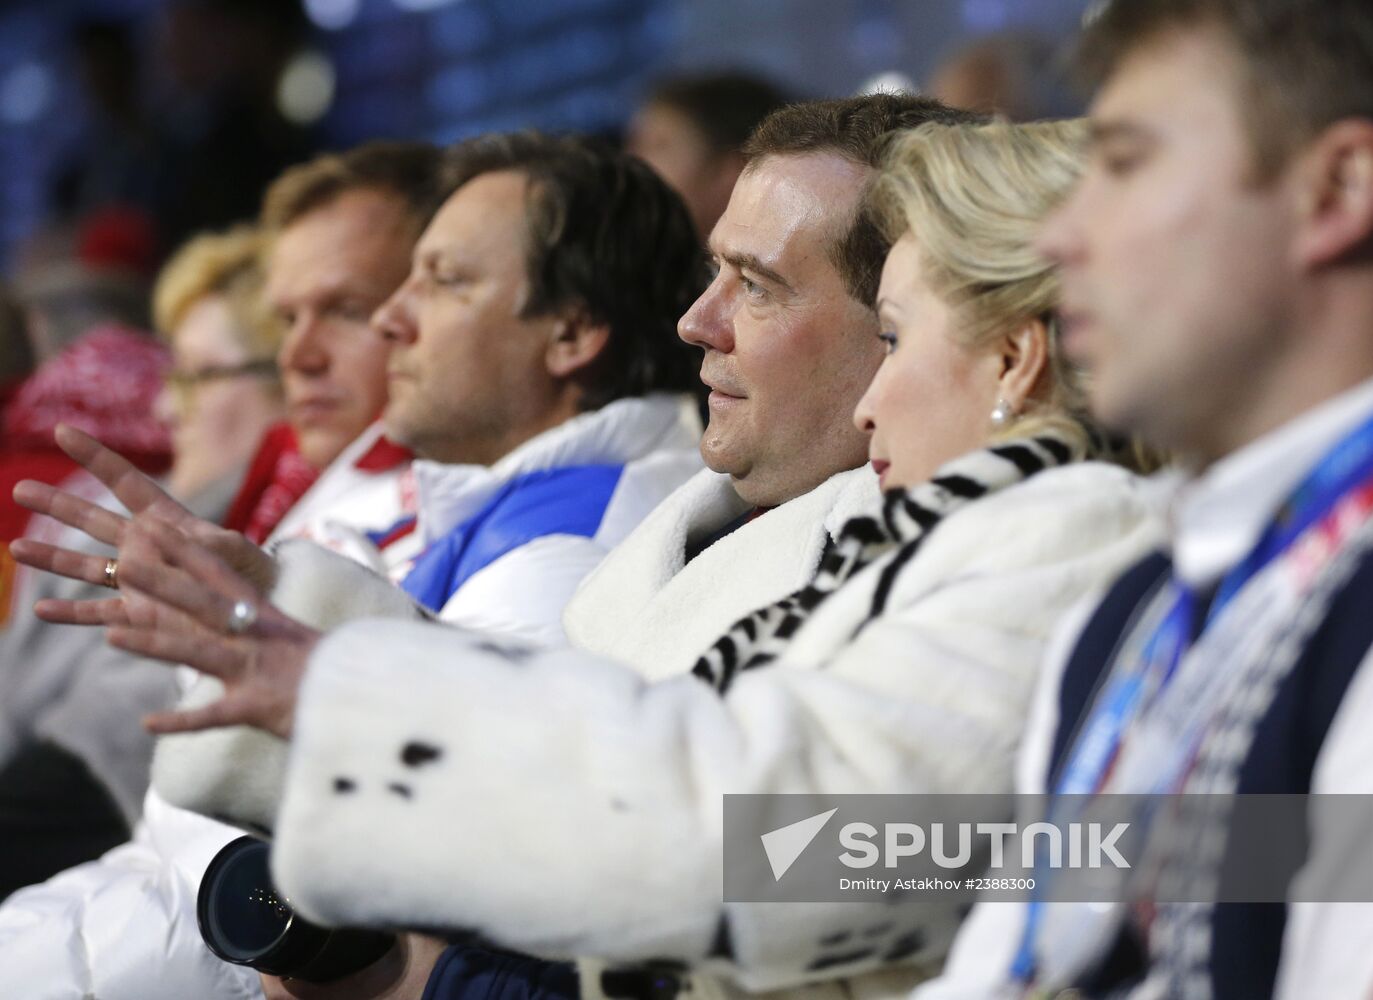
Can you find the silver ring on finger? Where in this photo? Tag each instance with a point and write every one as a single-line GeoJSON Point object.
{"type": "Point", "coordinates": [241, 617]}
{"type": "Point", "coordinates": [110, 578]}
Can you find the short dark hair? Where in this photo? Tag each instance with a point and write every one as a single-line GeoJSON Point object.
{"type": "Point", "coordinates": [605, 235]}
{"type": "Point", "coordinates": [724, 107]}
{"type": "Point", "coordinates": [407, 170]}
{"type": "Point", "coordinates": [858, 129]}
{"type": "Point", "coordinates": [1307, 63]}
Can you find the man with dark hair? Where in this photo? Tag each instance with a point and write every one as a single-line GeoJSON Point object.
{"type": "Point", "coordinates": [788, 331]}
{"type": "Point", "coordinates": [584, 217]}
{"type": "Point", "coordinates": [692, 130]}
{"type": "Point", "coordinates": [1216, 282]}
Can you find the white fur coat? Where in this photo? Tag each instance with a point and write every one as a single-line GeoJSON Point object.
{"type": "Point", "coordinates": [563, 803]}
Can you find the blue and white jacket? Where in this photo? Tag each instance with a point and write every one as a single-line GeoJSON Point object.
{"type": "Point", "coordinates": [503, 548]}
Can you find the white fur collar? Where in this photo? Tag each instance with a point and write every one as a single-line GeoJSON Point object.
{"type": "Point", "coordinates": [643, 606]}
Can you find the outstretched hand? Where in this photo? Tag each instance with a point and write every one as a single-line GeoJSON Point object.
{"type": "Point", "coordinates": [141, 496]}
{"type": "Point", "coordinates": [187, 606]}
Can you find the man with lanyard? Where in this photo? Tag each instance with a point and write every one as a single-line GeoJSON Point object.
{"type": "Point", "coordinates": [1216, 280]}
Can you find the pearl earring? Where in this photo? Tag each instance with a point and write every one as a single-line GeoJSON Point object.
{"type": "Point", "coordinates": [1001, 416]}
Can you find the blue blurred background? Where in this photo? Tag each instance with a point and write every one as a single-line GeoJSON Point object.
{"type": "Point", "coordinates": [97, 97]}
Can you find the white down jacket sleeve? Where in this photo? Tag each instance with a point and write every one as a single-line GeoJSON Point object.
{"type": "Point", "coordinates": [559, 804]}
{"type": "Point", "coordinates": [123, 927]}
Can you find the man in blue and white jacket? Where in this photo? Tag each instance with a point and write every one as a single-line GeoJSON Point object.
{"type": "Point", "coordinates": [536, 373]}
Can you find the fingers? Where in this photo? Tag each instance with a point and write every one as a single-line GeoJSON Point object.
{"type": "Point", "coordinates": [64, 562]}
{"type": "Point", "coordinates": [101, 524]}
{"type": "Point", "coordinates": [169, 594]}
{"type": "Point", "coordinates": [240, 554]}
{"type": "Point", "coordinates": [110, 611]}
{"type": "Point", "coordinates": [135, 490]}
{"type": "Point", "coordinates": [164, 564]}
{"type": "Point", "coordinates": [190, 720]}
{"type": "Point", "coordinates": [210, 654]}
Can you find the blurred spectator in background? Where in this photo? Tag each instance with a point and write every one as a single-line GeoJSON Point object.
{"type": "Point", "coordinates": [223, 392]}
{"type": "Point", "coordinates": [83, 291]}
{"type": "Point", "coordinates": [74, 767]}
{"type": "Point", "coordinates": [116, 161]}
{"type": "Point", "coordinates": [200, 153]}
{"type": "Point", "coordinates": [227, 137]}
{"type": "Point", "coordinates": [16, 350]}
{"type": "Point", "coordinates": [106, 382]}
{"type": "Point", "coordinates": [1012, 75]}
{"type": "Point", "coordinates": [690, 129]}
{"type": "Point", "coordinates": [72, 278]}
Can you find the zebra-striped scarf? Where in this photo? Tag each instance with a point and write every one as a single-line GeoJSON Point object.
{"type": "Point", "coordinates": [908, 517]}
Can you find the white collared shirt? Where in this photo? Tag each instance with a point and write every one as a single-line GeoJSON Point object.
{"type": "Point", "coordinates": [1219, 516]}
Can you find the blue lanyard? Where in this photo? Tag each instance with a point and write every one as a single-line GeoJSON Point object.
{"type": "Point", "coordinates": [1343, 469]}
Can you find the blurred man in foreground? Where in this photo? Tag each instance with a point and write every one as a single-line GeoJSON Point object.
{"type": "Point", "coordinates": [1216, 281]}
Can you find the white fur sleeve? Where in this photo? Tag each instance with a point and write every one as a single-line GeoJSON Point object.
{"type": "Point", "coordinates": [558, 804]}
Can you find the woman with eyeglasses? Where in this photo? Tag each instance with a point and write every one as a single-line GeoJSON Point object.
{"type": "Point", "coordinates": [222, 392]}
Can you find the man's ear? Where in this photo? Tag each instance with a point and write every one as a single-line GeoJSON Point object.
{"type": "Point", "coordinates": [1024, 362]}
{"type": "Point", "coordinates": [1336, 196]}
{"type": "Point", "coordinates": [574, 343]}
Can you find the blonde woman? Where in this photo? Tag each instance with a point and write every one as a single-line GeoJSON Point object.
{"type": "Point", "coordinates": [559, 804]}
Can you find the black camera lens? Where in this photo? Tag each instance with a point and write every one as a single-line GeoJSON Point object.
{"type": "Point", "coordinates": [244, 920]}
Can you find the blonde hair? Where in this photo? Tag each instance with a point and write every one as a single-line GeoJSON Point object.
{"type": "Point", "coordinates": [974, 196]}
{"type": "Point", "coordinates": [226, 264]}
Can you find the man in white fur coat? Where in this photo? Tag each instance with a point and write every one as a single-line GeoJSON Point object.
{"type": "Point", "coordinates": [789, 335]}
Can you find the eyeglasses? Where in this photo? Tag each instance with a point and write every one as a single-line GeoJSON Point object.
{"type": "Point", "coordinates": [184, 384]}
